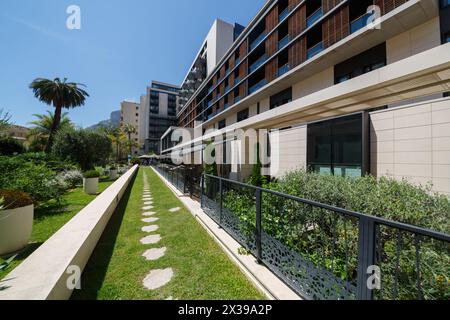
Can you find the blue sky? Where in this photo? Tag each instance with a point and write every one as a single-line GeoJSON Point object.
{"type": "Point", "coordinates": [121, 47]}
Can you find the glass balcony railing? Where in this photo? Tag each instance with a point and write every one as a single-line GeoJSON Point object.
{"type": "Point", "coordinates": [225, 106]}
{"type": "Point", "coordinates": [314, 50]}
{"type": "Point", "coordinates": [283, 42]}
{"type": "Point", "coordinates": [257, 86]}
{"type": "Point", "coordinates": [283, 14]}
{"type": "Point", "coordinates": [210, 103]}
{"type": "Point", "coordinates": [360, 23]}
{"type": "Point", "coordinates": [258, 63]}
{"type": "Point", "coordinates": [227, 88]}
{"type": "Point", "coordinates": [237, 80]}
{"type": "Point", "coordinates": [314, 17]}
{"type": "Point", "coordinates": [237, 99]}
{"type": "Point", "coordinates": [238, 60]}
{"type": "Point", "coordinates": [210, 89]}
{"type": "Point", "coordinates": [283, 69]}
{"type": "Point", "coordinates": [258, 40]}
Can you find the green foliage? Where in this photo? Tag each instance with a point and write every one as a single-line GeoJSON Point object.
{"type": "Point", "coordinates": [2, 203]}
{"type": "Point", "coordinates": [37, 180]}
{"type": "Point", "coordinates": [84, 147]}
{"type": "Point", "coordinates": [5, 118]}
{"type": "Point", "coordinates": [135, 161]}
{"type": "Point", "coordinates": [13, 199]}
{"type": "Point", "coordinates": [91, 174]}
{"type": "Point", "coordinates": [5, 264]}
{"type": "Point", "coordinates": [210, 168]}
{"type": "Point", "coordinates": [10, 146]}
{"type": "Point", "coordinates": [329, 240]}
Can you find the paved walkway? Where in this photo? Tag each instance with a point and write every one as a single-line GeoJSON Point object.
{"type": "Point", "coordinates": [155, 278]}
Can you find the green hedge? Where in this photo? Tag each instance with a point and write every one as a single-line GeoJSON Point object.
{"type": "Point", "coordinates": [329, 240]}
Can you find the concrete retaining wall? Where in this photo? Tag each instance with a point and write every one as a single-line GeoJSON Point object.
{"type": "Point", "coordinates": [44, 274]}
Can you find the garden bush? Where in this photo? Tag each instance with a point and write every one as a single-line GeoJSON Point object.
{"type": "Point", "coordinates": [87, 148]}
{"type": "Point", "coordinates": [329, 240]}
{"type": "Point", "coordinates": [10, 146]}
{"type": "Point", "coordinates": [37, 180]}
{"type": "Point", "coordinates": [91, 174]}
{"type": "Point", "coordinates": [72, 178]}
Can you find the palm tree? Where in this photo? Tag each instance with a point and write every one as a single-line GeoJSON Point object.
{"type": "Point", "coordinates": [129, 129]}
{"type": "Point", "coordinates": [60, 94]}
{"type": "Point", "coordinates": [42, 127]}
{"type": "Point", "coordinates": [4, 121]}
{"type": "Point", "coordinates": [117, 137]}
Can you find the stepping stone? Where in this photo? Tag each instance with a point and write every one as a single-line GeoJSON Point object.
{"type": "Point", "coordinates": [154, 254]}
{"type": "Point", "coordinates": [150, 229]}
{"type": "Point", "coordinates": [150, 220]}
{"type": "Point", "coordinates": [153, 239]}
{"type": "Point", "coordinates": [148, 203]}
{"type": "Point", "coordinates": [158, 278]}
{"type": "Point", "coordinates": [147, 199]}
{"type": "Point", "coordinates": [149, 214]}
{"type": "Point", "coordinates": [175, 209]}
{"type": "Point", "coordinates": [148, 208]}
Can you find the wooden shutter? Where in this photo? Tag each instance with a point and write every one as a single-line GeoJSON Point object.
{"type": "Point", "coordinates": [336, 27]}
{"type": "Point", "coordinates": [272, 44]}
{"type": "Point", "coordinates": [243, 69]}
{"type": "Point", "coordinates": [297, 22]}
{"type": "Point", "coordinates": [272, 19]}
{"type": "Point", "coordinates": [243, 49]}
{"type": "Point", "coordinates": [293, 3]}
{"type": "Point", "coordinates": [327, 5]}
{"type": "Point", "coordinates": [272, 70]}
{"type": "Point", "coordinates": [243, 90]}
{"type": "Point", "coordinates": [297, 52]}
{"type": "Point", "coordinates": [387, 6]}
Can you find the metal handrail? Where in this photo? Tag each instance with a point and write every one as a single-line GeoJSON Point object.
{"type": "Point", "coordinates": [397, 225]}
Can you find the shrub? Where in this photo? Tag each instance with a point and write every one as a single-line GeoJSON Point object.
{"type": "Point", "coordinates": [329, 240]}
{"type": "Point", "coordinates": [91, 174]}
{"type": "Point", "coordinates": [35, 179]}
{"type": "Point", "coordinates": [48, 160]}
{"type": "Point", "coordinates": [10, 146]}
{"type": "Point", "coordinates": [72, 178]}
{"type": "Point", "coordinates": [87, 148]}
{"type": "Point", "coordinates": [135, 161]}
{"type": "Point", "coordinates": [112, 168]}
{"type": "Point", "coordinates": [13, 199]}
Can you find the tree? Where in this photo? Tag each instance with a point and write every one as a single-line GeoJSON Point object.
{"type": "Point", "coordinates": [60, 94]}
{"type": "Point", "coordinates": [129, 129]}
{"type": "Point", "coordinates": [5, 118]}
{"type": "Point", "coordinates": [42, 127]}
{"type": "Point", "coordinates": [117, 138]}
{"type": "Point", "coordinates": [87, 148]}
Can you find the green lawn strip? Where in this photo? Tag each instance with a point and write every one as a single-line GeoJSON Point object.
{"type": "Point", "coordinates": [202, 271]}
{"type": "Point", "coordinates": [52, 217]}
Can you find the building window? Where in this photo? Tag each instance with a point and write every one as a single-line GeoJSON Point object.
{"type": "Point", "coordinates": [360, 64]}
{"type": "Point", "coordinates": [258, 108]}
{"type": "Point", "coordinates": [242, 115]}
{"type": "Point", "coordinates": [445, 3]}
{"type": "Point", "coordinates": [336, 146]}
{"type": "Point", "coordinates": [281, 98]}
{"type": "Point", "coordinates": [222, 124]}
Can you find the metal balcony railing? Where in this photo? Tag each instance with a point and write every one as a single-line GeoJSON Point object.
{"type": "Point", "coordinates": [258, 40]}
{"type": "Point", "coordinates": [283, 14]}
{"type": "Point", "coordinates": [328, 253]}
{"type": "Point", "coordinates": [314, 17]}
{"type": "Point", "coordinates": [314, 50]}
{"type": "Point", "coordinates": [255, 65]}
{"type": "Point", "coordinates": [283, 42]}
{"type": "Point", "coordinates": [257, 86]}
{"type": "Point", "coordinates": [360, 22]}
{"type": "Point", "coordinates": [282, 70]}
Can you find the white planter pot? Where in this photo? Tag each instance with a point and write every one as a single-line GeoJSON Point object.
{"type": "Point", "coordinates": [112, 174]}
{"type": "Point", "coordinates": [90, 185]}
{"type": "Point", "coordinates": [15, 229]}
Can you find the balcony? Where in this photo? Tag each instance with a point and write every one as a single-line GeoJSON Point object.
{"type": "Point", "coordinates": [257, 63]}
{"type": "Point", "coordinates": [314, 50]}
{"type": "Point", "coordinates": [238, 60]}
{"type": "Point", "coordinates": [210, 89]}
{"type": "Point", "coordinates": [314, 17]}
{"type": "Point", "coordinates": [282, 70]}
{"type": "Point", "coordinates": [210, 103]}
{"type": "Point", "coordinates": [258, 40]}
{"type": "Point", "coordinates": [225, 106]}
{"type": "Point", "coordinates": [237, 80]}
{"type": "Point", "coordinates": [257, 86]}
{"type": "Point", "coordinates": [283, 14]}
{"type": "Point", "coordinates": [283, 42]}
{"type": "Point", "coordinates": [360, 22]}
{"type": "Point", "coordinates": [227, 88]}
{"type": "Point", "coordinates": [237, 99]}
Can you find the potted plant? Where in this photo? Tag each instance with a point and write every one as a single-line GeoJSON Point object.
{"type": "Point", "coordinates": [90, 181]}
{"type": "Point", "coordinates": [16, 220]}
{"type": "Point", "coordinates": [113, 173]}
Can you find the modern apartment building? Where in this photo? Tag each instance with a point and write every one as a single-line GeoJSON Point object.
{"type": "Point", "coordinates": [159, 107]}
{"type": "Point", "coordinates": [351, 87]}
{"type": "Point", "coordinates": [132, 114]}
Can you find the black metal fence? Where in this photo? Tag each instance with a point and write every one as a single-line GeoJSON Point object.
{"type": "Point", "coordinates": [324, 252]}
{"type": "Point", "coordinates": [185, 179]}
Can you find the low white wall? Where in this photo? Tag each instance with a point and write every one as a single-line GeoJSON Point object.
{"type": "Point", "coordinates": [43, 275]}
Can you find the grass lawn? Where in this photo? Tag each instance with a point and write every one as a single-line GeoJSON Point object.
{"type": "Point", "coordinates": [201, 270]}
{"type": "Point", "coordinates": [50, 218]}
